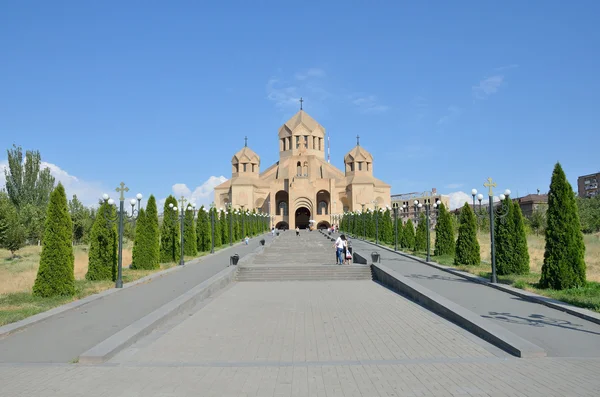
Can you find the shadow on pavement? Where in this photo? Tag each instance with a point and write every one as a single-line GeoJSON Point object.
{"type": "Point", "coordinates": [537, 320]}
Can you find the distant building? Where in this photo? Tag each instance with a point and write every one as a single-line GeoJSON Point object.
{"type": "Point", "coordinates": [408, 200]}
{"type": "Point", "coordinates": [532, 202]}
{"type": "Point", "coordinates": [587, 185]}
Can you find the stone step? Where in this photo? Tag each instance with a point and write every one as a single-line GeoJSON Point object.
{"type": "Point", "coordinates": [303, 273]}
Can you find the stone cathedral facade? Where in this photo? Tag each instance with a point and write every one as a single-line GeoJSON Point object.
{"type": "Point", "coordinates": [302, 189]}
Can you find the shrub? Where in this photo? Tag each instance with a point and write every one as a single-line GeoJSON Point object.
{"type": "Point", "coordinates": [444, 233]}
{"type": "Point", "coordinates": [467, 246]}
{"type": "Point", "coordinates": [564, 265]}
{"type": "Point", "coordinates": [56, 273]}
{"type": "Point", "coordinates": [102, 264]}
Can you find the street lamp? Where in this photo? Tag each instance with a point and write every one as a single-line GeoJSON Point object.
{"type": "Point", "coordinates": [429, 217]}
{"type": "Point", "coordinates": [501, 213]}
{"type": "Point", "coordinates": [230, 213]}
{"type": "Point", "coordinates": [212, 227]}
{"type": "Point", "coordinates": [395, 209]}
{"type": "Point", "coordinates": [181, 217]}
{"type": "Point", "coordinates": [376, 221]}
{"type": "Point", "coordinates": [120, 217]}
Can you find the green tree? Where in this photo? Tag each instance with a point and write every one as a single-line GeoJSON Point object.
{"type": "Point", "coordinates": [26, 182]}
{"type": "Point", "coordinates": [189, 234]}
{"type": "Point", "coordinates": [589, 213]}
{"type": "Point", "coordinates": [564, 265]}
{"type": "Point", "coordinates": [521, 264]}
{"type": "Point", "coordinates": [421, 234]}
{"type": "Point", "coordinates": [504, 238]}
{"type": "Point", "coordinates": [409, 234]}
{"type": "Point", "coordinates": [388, 228]}
{"type": "Point", "coordinates": [444, 233]}
{"type": "Point", "coordinates": [152, 231]}
{"type": "Point", "coordinates": [102, 264]}
{"type": "Point", "coordinates": [170, 249]}
{"type": "Point", "coordinates": [56, 271]}
{"type": "Point", "coordinates": [467, 246]}
{"type": "Point", "coordinates": [537, 220]}
{"type": "Point", "coordinates": [203, 230]}
{"type": "Point", "coordinates": [218, 233]}
{"type": "Point", "coordinates": [79, 215]}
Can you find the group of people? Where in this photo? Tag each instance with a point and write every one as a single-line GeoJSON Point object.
{"type": "Point", "coordinates": [343, 250]}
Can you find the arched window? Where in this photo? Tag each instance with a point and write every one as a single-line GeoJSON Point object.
{"type": "Point", "coordinates": [305, 169]}
{"type": "Point", "coordinates": [322, 209]}
{"type": "Point", "coordinates": [244, 167]}
{"type": "Point", "coordinates": [298, 169]}
{"type": "Point", "coordinates": [282, 209]}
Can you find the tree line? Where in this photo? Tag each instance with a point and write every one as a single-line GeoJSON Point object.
{"type": "Point", "coordinates": [564, 265]}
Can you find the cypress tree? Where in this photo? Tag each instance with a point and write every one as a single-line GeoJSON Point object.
{"type": "Point", "coordinates": [153, 233]}
{"type": "Point", "coordinates": [56, 272]}
{"type": "Point", "coordinates": [421, 234]}
{"type": "Point", "coordinates": [102, 264]}
{"type": "Point", "coordinates": [564, 265]}
{"type": "Point", "coordinates": [169, 234]}
{"type": "Point", "coordinates": [444, 233]}
{"type": "Point", "coordinates": [521, 249]}
{"type": "Point", "coordinates": [203, 230]}
{"type": "Point", "coordinates": [388, 228]}
{"type": "Point", "coordinates": [189, 234]}
{"type": "Point", "coordinates": [370, 224]}
{"type": "Point", "coordinates": [409, 234]}
{"type": "Point", "coordinates": [401, 237]}
{"type": "Point", "coordinates": [237, 227]}
{"type": "Point", "coordinates": [467, 246]}
{"type": "Point", "coordinates": [504, 239]}
{"type": "Point", "coordinates": [218, 232]}
{"type": "Point", "coordinates": [142, 256]}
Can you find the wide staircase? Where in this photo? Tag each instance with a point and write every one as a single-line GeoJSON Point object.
{"type": "Point", "coordinates": [308, 257]}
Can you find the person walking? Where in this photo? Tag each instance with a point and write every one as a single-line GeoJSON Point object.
{"type": "Point", "coordinates": [339, 249]}
{"type": "Point", "coordinates": [246, 240]}
{"type": "Point", "coordinates": [297, 231]}
{"type": "Point", "coordinates": [348, 251]}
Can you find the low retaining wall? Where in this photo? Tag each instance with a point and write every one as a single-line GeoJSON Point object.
{"type": "Point", "coordinates": [142, 327]}
{"type": "Point", "coordinates": [466, 319]}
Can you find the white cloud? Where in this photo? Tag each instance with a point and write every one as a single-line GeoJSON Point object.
{"type": "Point", "coordinates": [285, 93]}
{"type": "Point", "coordinates": [454, 185]}
{"type": "Point", "coordinates": [488, 86]}
{"type": "Point", "coordinates": [368, 104]}
{"type": "Point", "coordinates": [87, 192]}
{"type": "Point", "coordinates": [458, 199]}
{"type": "Point", "coordinates": [452, 114]}
{"type": "Point", "coordinates": [312, 72]}
{"type": "Point", "coordinates": [202, 195]}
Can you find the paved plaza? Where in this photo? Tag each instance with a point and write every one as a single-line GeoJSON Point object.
{"type": "Point", "coordinates": [308, 338]}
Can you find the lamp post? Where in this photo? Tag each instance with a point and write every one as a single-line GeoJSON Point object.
{"type": "Point", "coordinates": [212, 228]}
{"type": "Point", "coordinates": [181, 217]}
{"type": "Point", "coordinates": [230, 213]}
{"type": "Point", "coordinates": [501, 213]}
{"type": "Point", "coordinates": [429, 216]}
{"type": "Point", "coordinates": [120, 217]}
{"type": "Point", "coordinates": [243, 222]}
{"type": "Point", "coordinates": [395, 209]}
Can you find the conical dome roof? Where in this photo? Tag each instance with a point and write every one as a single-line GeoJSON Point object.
{"type": "Point", "coordinates": [358, 153]}
{"type": "Point", "coordinates": [245, 155]}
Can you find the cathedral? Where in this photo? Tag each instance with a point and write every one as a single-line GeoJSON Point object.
{"type": "Point", "coordinates": [302, 189]}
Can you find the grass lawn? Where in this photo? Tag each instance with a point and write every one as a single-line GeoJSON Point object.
{"type": "Point", "coordinates": [18, 275]}
{"type": "Point", "coordinates": [587, 297]}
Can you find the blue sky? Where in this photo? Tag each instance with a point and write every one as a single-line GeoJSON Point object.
{"type": "Point", "coordinates": [443, 94]}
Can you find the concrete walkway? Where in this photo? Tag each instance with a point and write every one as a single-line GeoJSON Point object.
{"type": "Point", "coordinates": [557, 332]}
{"type": "Point", "coordinates": [64, 337]}
{"type": "Point", "coordinates": [307, 338]}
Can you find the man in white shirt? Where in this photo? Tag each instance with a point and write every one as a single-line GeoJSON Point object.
{"type": "Point", "coordinates": [339, 249]}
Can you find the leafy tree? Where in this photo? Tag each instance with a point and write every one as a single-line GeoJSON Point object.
{"type": "Point", "coordinates": [203, 230]}
{"type": "Point", "coordinates": [80, 216]}
{"type": "Point", "coordinates": [32, 219]}
{"type": "Point", "coordinates": [521, 264]}
{"type": "Point", "coordinates": [564, 265]}
{"type": "Point", "coordinates": [170, 249]}
{"type": "Point", "coordinates": [589, 213]}
{"type": "Point", "coordinates": [189, 234]}
{"type": "Point", "coordinates": [102, 264]}
{"type": "Point", "coordinates": [421, 234]}
{"type": "Point", "coordinates": [467, 246]}
{"type": "Point", "coordinates": [12, 231]}
{"type": "Point", "coordinates": [537, 220]}
{"type": "Point", "coordinates": [444, 233]}
{"type": "Point", "coordinates": [56, 271]}
{"type": "Point", "coordinates": [409, 234]}
{"type": "Point", "coordinates": [504, 239]}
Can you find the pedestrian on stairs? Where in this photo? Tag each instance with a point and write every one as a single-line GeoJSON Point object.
{"type": "Point", "coordinates": [297, 231]}
{"type": "Point", "coordinates": [339, 249]}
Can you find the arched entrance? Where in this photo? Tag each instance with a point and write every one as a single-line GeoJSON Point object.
{"type": "Point", "coordinates": [302, 218]}
{"type": "Point", "coordinates": [282, 225]}
{"type": "Point", "coordinates": [323, 225]}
